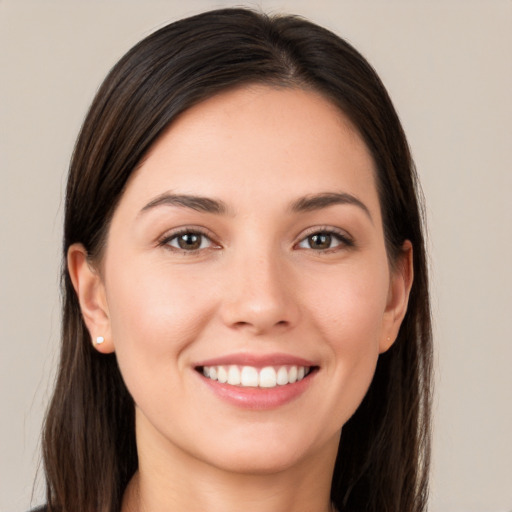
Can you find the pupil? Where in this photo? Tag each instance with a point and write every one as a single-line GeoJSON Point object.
{"type": "Point", "coordinates": [189, 241]}
{"type": "Point", "coordinates": [320, 241]}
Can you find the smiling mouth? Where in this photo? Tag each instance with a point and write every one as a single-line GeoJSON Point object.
{"type": "Point", "coordinates": [250, 376]}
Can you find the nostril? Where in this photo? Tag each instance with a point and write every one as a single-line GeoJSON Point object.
{"type": "Point", "coordinates": [241, 324]}
{"type": "Point", "coordinates": [260, 325]}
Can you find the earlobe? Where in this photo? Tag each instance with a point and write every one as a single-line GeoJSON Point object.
{"type": "Point", "coordinates": [90, 290]}
{"type": "Point", "coordinates": [401, 281]}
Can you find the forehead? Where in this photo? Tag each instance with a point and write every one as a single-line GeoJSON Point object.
{"type": "Point", "coordinates": [258, 140]}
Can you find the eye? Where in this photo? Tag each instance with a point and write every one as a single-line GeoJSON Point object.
{"type": "Point", "coordinates": [188, 241]}
{"type": "Point", "coordinates": [324, 241]}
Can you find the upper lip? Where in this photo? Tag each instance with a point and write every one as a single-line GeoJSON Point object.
{"type": "Point", "coordinates": [257, 360]}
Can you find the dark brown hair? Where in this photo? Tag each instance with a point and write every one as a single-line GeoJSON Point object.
{"type": "Point", "coordinates": [89, 438]}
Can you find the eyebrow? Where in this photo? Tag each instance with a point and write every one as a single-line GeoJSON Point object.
{"type": "Point", "coordinates": [198, 203]}
{"type": "Point", "coordinates": [303, 204]}
{"type": "Point", "coordinates": [325, 199]}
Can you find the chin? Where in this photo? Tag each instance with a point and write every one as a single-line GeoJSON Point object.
{"type": "Point", "coordinates": [266, 453]}
{"type": "Point", "coordinates": [258, 462]}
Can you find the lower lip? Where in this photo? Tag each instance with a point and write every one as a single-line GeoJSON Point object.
{"type": "Point", "coordinates": [259, 398]}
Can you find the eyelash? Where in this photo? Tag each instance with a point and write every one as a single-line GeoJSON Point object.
{"type": "Point", "coordinates": [343, 240]}
{"type": "Point", "coordinates": [166, 241]}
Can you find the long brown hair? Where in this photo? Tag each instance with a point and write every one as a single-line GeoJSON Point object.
{"type": "Point", "coordinates": [89, 434]}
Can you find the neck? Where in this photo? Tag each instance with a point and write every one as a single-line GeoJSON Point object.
{"type": "Point", "coordinates": [270, 494]}
{"type": "Point", "coordinates": [172, 480]}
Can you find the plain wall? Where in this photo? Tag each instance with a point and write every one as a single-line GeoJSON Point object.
{"type": "Point", "coordinates": [448, 68]}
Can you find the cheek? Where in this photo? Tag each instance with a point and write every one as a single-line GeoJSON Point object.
{"type": "Point", "coordinates": [349, 306]}
{"type": "Point", "coordinates": [348, 311]}
{"type": "Point", "coordinates": [154, 316]}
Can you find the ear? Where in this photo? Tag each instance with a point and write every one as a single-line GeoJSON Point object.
{"type": "Point", "coordinates": [402, 275]}
{"type": "Point", "coordinates": [90, 290]}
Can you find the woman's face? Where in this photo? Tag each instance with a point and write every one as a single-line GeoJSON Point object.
{"type": "Point", "coordinates": [249, 246]}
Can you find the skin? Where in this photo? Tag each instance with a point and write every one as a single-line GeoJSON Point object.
{"type": "Point", "coordinates": [256, 285]}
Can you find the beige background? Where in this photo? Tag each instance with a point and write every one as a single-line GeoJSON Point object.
{"type": "Point", "coordinates": [448, 67]}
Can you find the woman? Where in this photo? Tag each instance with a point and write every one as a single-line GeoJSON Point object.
{"type": "Point", "coordinates": [246, 317]}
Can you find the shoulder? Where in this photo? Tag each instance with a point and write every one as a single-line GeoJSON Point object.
{"type": "Point", "coordinates": [39, 509]}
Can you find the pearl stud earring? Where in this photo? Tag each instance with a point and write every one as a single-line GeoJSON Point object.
{"type": "Point", "coordinates": [100, 340]}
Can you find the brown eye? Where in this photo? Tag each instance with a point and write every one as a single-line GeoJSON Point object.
{"type": "Point", "coordinates": [325, 240]}
{"type": "Point", "coordinates": [320, 241]}
{"type": "Point", "coordinates": [189, 241]}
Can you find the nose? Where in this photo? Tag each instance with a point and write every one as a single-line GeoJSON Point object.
{"type": "Point", "coordinates": [259, 295]}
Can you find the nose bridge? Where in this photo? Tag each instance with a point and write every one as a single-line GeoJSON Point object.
{"type": "Point", "coordinates": [259, 297]}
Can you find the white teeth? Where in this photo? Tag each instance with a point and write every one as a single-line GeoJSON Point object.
{"type": "Point", "coordinates": [268, 377]}
{"type": "Point", "coordinates": [292, 374]}
{"type": "Point", "coordinates": [233, 375]}
{"type": "Point", "coordinates": [222, 374]}
{"type": "Point", "coordinates": [249, 376]}
{"type": "Point", "coordinates": [282, 376]}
